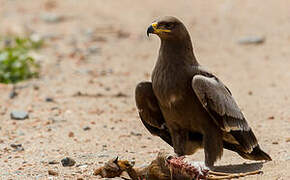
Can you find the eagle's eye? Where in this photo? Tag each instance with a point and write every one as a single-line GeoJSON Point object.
{"type": "Point", "coordinates": [166, 25]}
{"type": "Point", "coordinates": [169, 25]}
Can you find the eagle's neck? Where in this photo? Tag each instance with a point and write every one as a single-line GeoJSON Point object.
{"type": "Point", "coordinates": [177, 50]}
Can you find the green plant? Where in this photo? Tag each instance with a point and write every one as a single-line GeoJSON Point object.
{"type": "Point", "coordinates": [15, 63]}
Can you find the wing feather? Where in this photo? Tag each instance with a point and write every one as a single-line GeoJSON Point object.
{"type": "Point", "coordinates": [218, 101]}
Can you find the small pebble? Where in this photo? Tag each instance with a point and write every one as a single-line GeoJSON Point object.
{"type": "Point", "coordinates": [19, 115]}
{"type": "Point", "coordinates": [35, 87]}
{"type": "Point", "coordinates": [252, 40]}
{"type": "Point", "coordinates": [53, 162]}
{"type": "Point", "coordinates": [13, 94]}
{"type": "Point", "coordinates": [135, 134]}
{"type": "Point", "coordinates": [86, 128]}
{"type": "Point", "coordinates": [49, 99]}
{"type": "Point", "coordinates": [52, 173]}
{"type": "Point", "coordinates": [120, 94]}
{"type": "Point", "coordinates": [71, 134]}
{"type": "Point", "coordinates": [17, 147]}
{"type": "Point", "coordinates": [68, 162]}
{"type": "Point", "coordinates": [275, 142]}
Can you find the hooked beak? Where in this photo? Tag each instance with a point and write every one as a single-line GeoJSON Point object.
{"type": "Point", "coordinates": [153, 29]}
{"type": "Point", "coordinates": [150, 30]}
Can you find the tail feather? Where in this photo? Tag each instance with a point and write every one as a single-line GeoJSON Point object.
{"type": "Point", "coordinates": [257, 154]}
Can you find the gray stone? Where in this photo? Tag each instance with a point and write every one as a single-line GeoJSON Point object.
{"type": "Point", "coordinates": [19, 115]}
{"type": "Point", "coordinates": [68, 162]}
{"type": "Point", "coordinates": [252, 40]}
{"type": "Point", "coordinates": [52, 18]}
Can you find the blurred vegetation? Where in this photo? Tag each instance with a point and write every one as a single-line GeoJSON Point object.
{"type": "Point", "coordinates": [15, 62]}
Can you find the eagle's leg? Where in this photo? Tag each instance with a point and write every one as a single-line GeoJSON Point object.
{"type": "Point", "coordinates": [213, 145]}
{"type": "Point", "coordinates": [180, 140]}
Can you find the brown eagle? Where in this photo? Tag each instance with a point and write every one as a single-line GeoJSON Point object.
{"type": "Point", "coordinates": [187, 106]}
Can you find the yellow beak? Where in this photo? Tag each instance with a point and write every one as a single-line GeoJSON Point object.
{"type": "Point", "coordinates": [153, 28]}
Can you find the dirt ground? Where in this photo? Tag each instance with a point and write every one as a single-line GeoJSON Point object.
{"type": "Point", "coordinates": [97, 51]}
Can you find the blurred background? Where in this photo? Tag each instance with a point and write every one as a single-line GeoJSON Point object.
{"type": "Point", "coordinates": [68, 70]}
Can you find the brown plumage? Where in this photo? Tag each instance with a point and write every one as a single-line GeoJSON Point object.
{"type": "Point", "coordinates": [187, 106]}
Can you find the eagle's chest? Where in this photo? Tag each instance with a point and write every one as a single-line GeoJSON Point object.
{"type": "Point", "coordinates": [170, 100]}
{"type": "Point", "coordinates": [170, 88]}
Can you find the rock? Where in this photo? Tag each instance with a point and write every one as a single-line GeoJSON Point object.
{"type": "Point", "coordinates": [19, 115]}
{"type": "Point", "coordinates": [49, 99]}
{"type": "Point", "coordinates": [51, 18]}
{"type": "Point", "coordinates": [36, 87]}
{"type": "Point", "coordinates": [53, 162]}
{"type": "Point", "coordinates": [13, 94]}
{"type": "Point", "coordinates": [275, 142]}
{"type": "Point", "coordinates": [252, 40]}
{"type": "Point", "coordinates": [67, 162]}
{"type": "Point", "coordinates": [120, 94]}
{"type": "Point", "coordinates": [71, 134]}
{"type": "Point", "coordinates": [17, 147]}
{"type": "Point", "coordinates": [52, 173]}
{"type": "Point", "coordinates": [86, 128]}
{"type": "Point", "coordinates": [135, 134]}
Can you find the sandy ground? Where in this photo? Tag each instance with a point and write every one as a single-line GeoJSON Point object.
{"type": "Point", "coordinates": [99, 50]}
